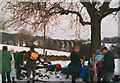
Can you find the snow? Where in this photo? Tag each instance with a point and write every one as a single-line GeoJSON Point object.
{"type": "Point", "coordinates": [53, 76]}
{"type": "Point", "coordinates": [108, 45]}
{"type": "Point", "coordinates": [117, 66]}
{"type": "Point", "coordinates": [39, 50]}
{"type": "Point", "coordinates": [63, 63]}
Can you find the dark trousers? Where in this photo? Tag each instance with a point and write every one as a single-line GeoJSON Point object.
{"type": "Point", "coordinates": [108, 78]}
{"type": "Point", "coordinates": [74, 72]}
{"type": "Point", "coordinates": [18, 72]}
{"type": "Point", "coordinates": [31, 67]}
{"type": "Point", "coordinates": [4, 76]}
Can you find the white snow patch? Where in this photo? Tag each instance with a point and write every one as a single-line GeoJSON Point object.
{"type": "Point", "coordinates": [108, 45]}
{"type": "Point", "coordinates": [39, 50]}
{"type": "Point", "coordinates": [117, 66]}
{"type": "Point", "coordinates": [63, 63]}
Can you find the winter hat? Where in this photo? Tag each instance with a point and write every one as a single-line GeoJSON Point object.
{"type": "Point", "coordinates": [5, 48]}
{"type": "Point", "coordinates": [98, 52]}
{"type": "Point", "coordinates": [58, 65]}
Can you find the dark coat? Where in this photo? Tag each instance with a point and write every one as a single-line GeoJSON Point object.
{"type": "Point", "coordinates": [18, 58]}
{"type": "Point", "coordinates": [109, 64]}
{"type": "Point", "coordinates": [75, 59]}
{"type": "Point", "coordinates": [30, 61]}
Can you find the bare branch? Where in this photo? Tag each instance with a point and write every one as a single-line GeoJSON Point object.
{"type": "Point", "coordinates": [90, 8]}
{"type": "Point", "coordinates": [63, 11]}
{"type": "Point", "coordinates": [104, 7]}
{"type": "Point", "coordinates": [110, 11]}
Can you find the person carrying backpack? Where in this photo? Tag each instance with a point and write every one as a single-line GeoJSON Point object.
{"type": "Point", "coordinates": [31, 62]}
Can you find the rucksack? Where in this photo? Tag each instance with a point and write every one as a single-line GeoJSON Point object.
{"type": "Point", "coordinates": [34, 56]}
{"type": "Point", "coordinates": [100, 65]}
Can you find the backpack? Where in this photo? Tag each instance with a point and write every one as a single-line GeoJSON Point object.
{"type": "Point", "coordinates": [100, 65]}
{"type": "Point", "coordinates": [34, 56]}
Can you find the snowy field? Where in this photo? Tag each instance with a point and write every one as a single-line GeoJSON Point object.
{"type": "Point", "coordinates": [53, 76]}
{"type": "Point", "coordinates": [65, 63]}
{"type": "Point", "coordinates": [39, 50]}
{"type": "Point", "coordinates": [108, 45]}
{"type": "Point", "coordinates": [49, 75]}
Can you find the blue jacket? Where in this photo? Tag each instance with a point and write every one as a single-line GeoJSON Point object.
{"type": "Point", "coordinates": [84, 72]}
{"type": "Point", "coordinates": [66, 70]}
{"type": "Point", "coordinates": [98, 57]}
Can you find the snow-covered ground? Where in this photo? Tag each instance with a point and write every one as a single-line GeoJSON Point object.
{"type": "Point", "coordinates": [63, 63]}
{"type": "Point", "coordinates": [39, 50]}
{"type": "Point", "coordinates": [52, 76]}
{"type": "Point", "coordinates": [108, 45]}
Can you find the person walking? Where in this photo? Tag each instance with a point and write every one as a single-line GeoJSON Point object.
{"type": "Point", "coordinates": [31, 62]}
{"type": "Point", "coordinates": [6, 65]}
{"type": "Point", "coordinates": [108, 64]}
{"type": "Point", "coordinates": [75, 61]}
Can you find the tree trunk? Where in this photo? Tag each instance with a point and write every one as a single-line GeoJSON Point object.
{"type": "Point", "coordinates": [21, 43]}
{"type": "Point", "coordinates": [95, 34]}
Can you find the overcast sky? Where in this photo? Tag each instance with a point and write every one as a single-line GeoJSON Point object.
{"type": "Point", "coordinates": [109, 28]}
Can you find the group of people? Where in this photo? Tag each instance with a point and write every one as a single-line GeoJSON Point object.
{"type": "Point", "coordinates": [12, 62]}
{"type": "Point", "coordinates": [104, 62]}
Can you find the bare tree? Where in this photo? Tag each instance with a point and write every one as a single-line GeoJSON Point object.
{"type": "Point", "coordinates": [35, 14]}
{"type": "Point", "coordinates": [24, 36]}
